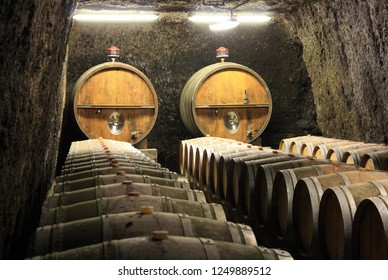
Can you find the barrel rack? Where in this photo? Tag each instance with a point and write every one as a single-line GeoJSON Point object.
{"type": "Point", "coordinates": [113, 202]}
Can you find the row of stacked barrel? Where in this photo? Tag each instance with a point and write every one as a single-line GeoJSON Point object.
{"type": "Point", "coordinates": [314, 208]}
{"type": "Point", "coordinates": [369, 155]}
{"type": "Point", "coordinates": [113, 202]}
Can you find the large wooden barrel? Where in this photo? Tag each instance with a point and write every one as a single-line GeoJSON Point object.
{"type": "Point", "coordinates": [114, 100]}
{"type": "Point", "coordinates": [226, 100]}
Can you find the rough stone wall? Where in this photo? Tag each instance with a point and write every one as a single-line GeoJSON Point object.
{"type": "Point", "coordinates": [169, 52]}
{"type": "Point", "coordinates": [345, 48]}
{"type": "Point", "coordinates": [33, 37]}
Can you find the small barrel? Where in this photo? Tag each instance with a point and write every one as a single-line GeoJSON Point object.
{"type": "Point", "coordinates": [297, 144]}
{"type": "Point", "coordinates": [283, 193]}
{"type": "Point", "coordinates": [219, 146]}
{"type": "Point", "coordinates": [243, 188]}
{"type": "Point", "coordinates": [161, 246]}
{"type": "Point", "coordinates": [65, 236]}
{"type": "Point", "coordinates": [261, 200]}
{"type": "Point", "coordinates": [99, 180]}
{"type": "Point", "coordinates": [226, 165]}
{"type": "Point", "coordinates": [337, 153]}
{"type": "Point", "coordinates": [154, 172]}
{"type": "Point", "coordinates": [308, 147]}
{"type": "Point", "coordinates": [185, 147]}
{"type": "Point", "coordinates": [320, 150]}
{"type": "Point", "coordinates": [115, 100]}
{"type": "Point", "coordinates": [216, 173]}
{"type": "Point", "coordinates": [354, 156]}
{"type": "Point", "coordinates": [124, 188]}
{"type": "Point", "coordinates": [95, 158]}
{"type": "Point", "coordinates": [199, 156]}
{"type": "Point", "coordinates": [226, 191]}
{"type": "Point", "coordinates": [336, 213]}
{"type": "Point", "coordinates": [305, 205]}
{"type": "Point", "coordinates": [124, 203]}
{"type": "Point", "coordinates": [375, 160]}
{"type": "Point", "coordinates": [370, 229]}
{"type": "Point", "coordinates": [93, 165]}
{"type": "Point", "coordinates": [226, 100]}
{"type": "Point", "coordinates": [284, 144]}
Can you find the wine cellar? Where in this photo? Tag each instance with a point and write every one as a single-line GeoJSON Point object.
{"type": "Point", "coordinates": [168, 137]}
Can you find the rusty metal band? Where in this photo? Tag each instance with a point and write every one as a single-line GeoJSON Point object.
{"type": "Point", "coordinates": [211, 249]}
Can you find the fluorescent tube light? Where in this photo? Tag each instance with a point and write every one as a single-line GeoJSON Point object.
{"type": "Point", "coordinates": [113, 17]}
{"type": "Point", "coordinates": [253, 18]}
{"type": "Point", "coordinates": [208, 18]}
{"type": "Point", "coordinates": [224, 25]}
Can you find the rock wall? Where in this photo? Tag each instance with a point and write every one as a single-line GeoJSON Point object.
{"type": "Point", "coordinates": [326, 68]}
{"type": "Point", "coordinates": [34, 37]}
{"type": "Point", "coordinates": [345, 48]}
{"type": "Point", "coordinates": [170, 51]}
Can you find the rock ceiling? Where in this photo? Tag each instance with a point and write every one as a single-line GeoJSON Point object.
{"type": "Point", "coordinates": [187, 6]}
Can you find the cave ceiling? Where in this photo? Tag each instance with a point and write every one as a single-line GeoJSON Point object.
{"type": "Point", "coordinates": [189, 6]}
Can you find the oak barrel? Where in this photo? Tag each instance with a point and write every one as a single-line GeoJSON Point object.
{"type": "Point", "coordinates": [320, 150]}
{"type": "Point", "coordinates": [354, 156]}
{"type": "Point", "coordinates": [377, 160]}
{"type": "Point", "coordinates": [370, 229]}
{"type": "Point", "coordinates": [124, 203]}
{"type": "Point", "coordinates": [116, 101]}
{"type": "Point", "coordinates": [283, 193]}
{"type": "Point", "coordinates": [337, 153]}
{"type": "Point", "coordinates": [305, 205]}
{"type": "Point", "coordinates": [226, 100]}
{"type": "Point", "coordinates": [65, 236]}
{"type": "Point", "coordinates": [121, 176]}
{"type": "Point", "coordinates": [261, 200]}
{"type": "Point", "coordinates": [160, 246]}
{"type": "Point", "coordinates": [124, 188]}
{"type": "Point", "coordinates": [336, 213]}
{"type": "Point", "coordinates": [285, 143]}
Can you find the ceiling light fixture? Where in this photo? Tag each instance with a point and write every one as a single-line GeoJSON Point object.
{"type": "Point", "coordinates": [208, 18]}
{"type": "Point", "coordinates": [230, 23]}
{"type": "Point", "coordinates": [108, 16]}
{"type": "Point", "coordinates": [253, 18]}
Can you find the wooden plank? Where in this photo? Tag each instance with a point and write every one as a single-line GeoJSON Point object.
{"type": "Point", "coordinates": [114, 106]}
{"type": "Point", "coordinates": [215, 106]}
